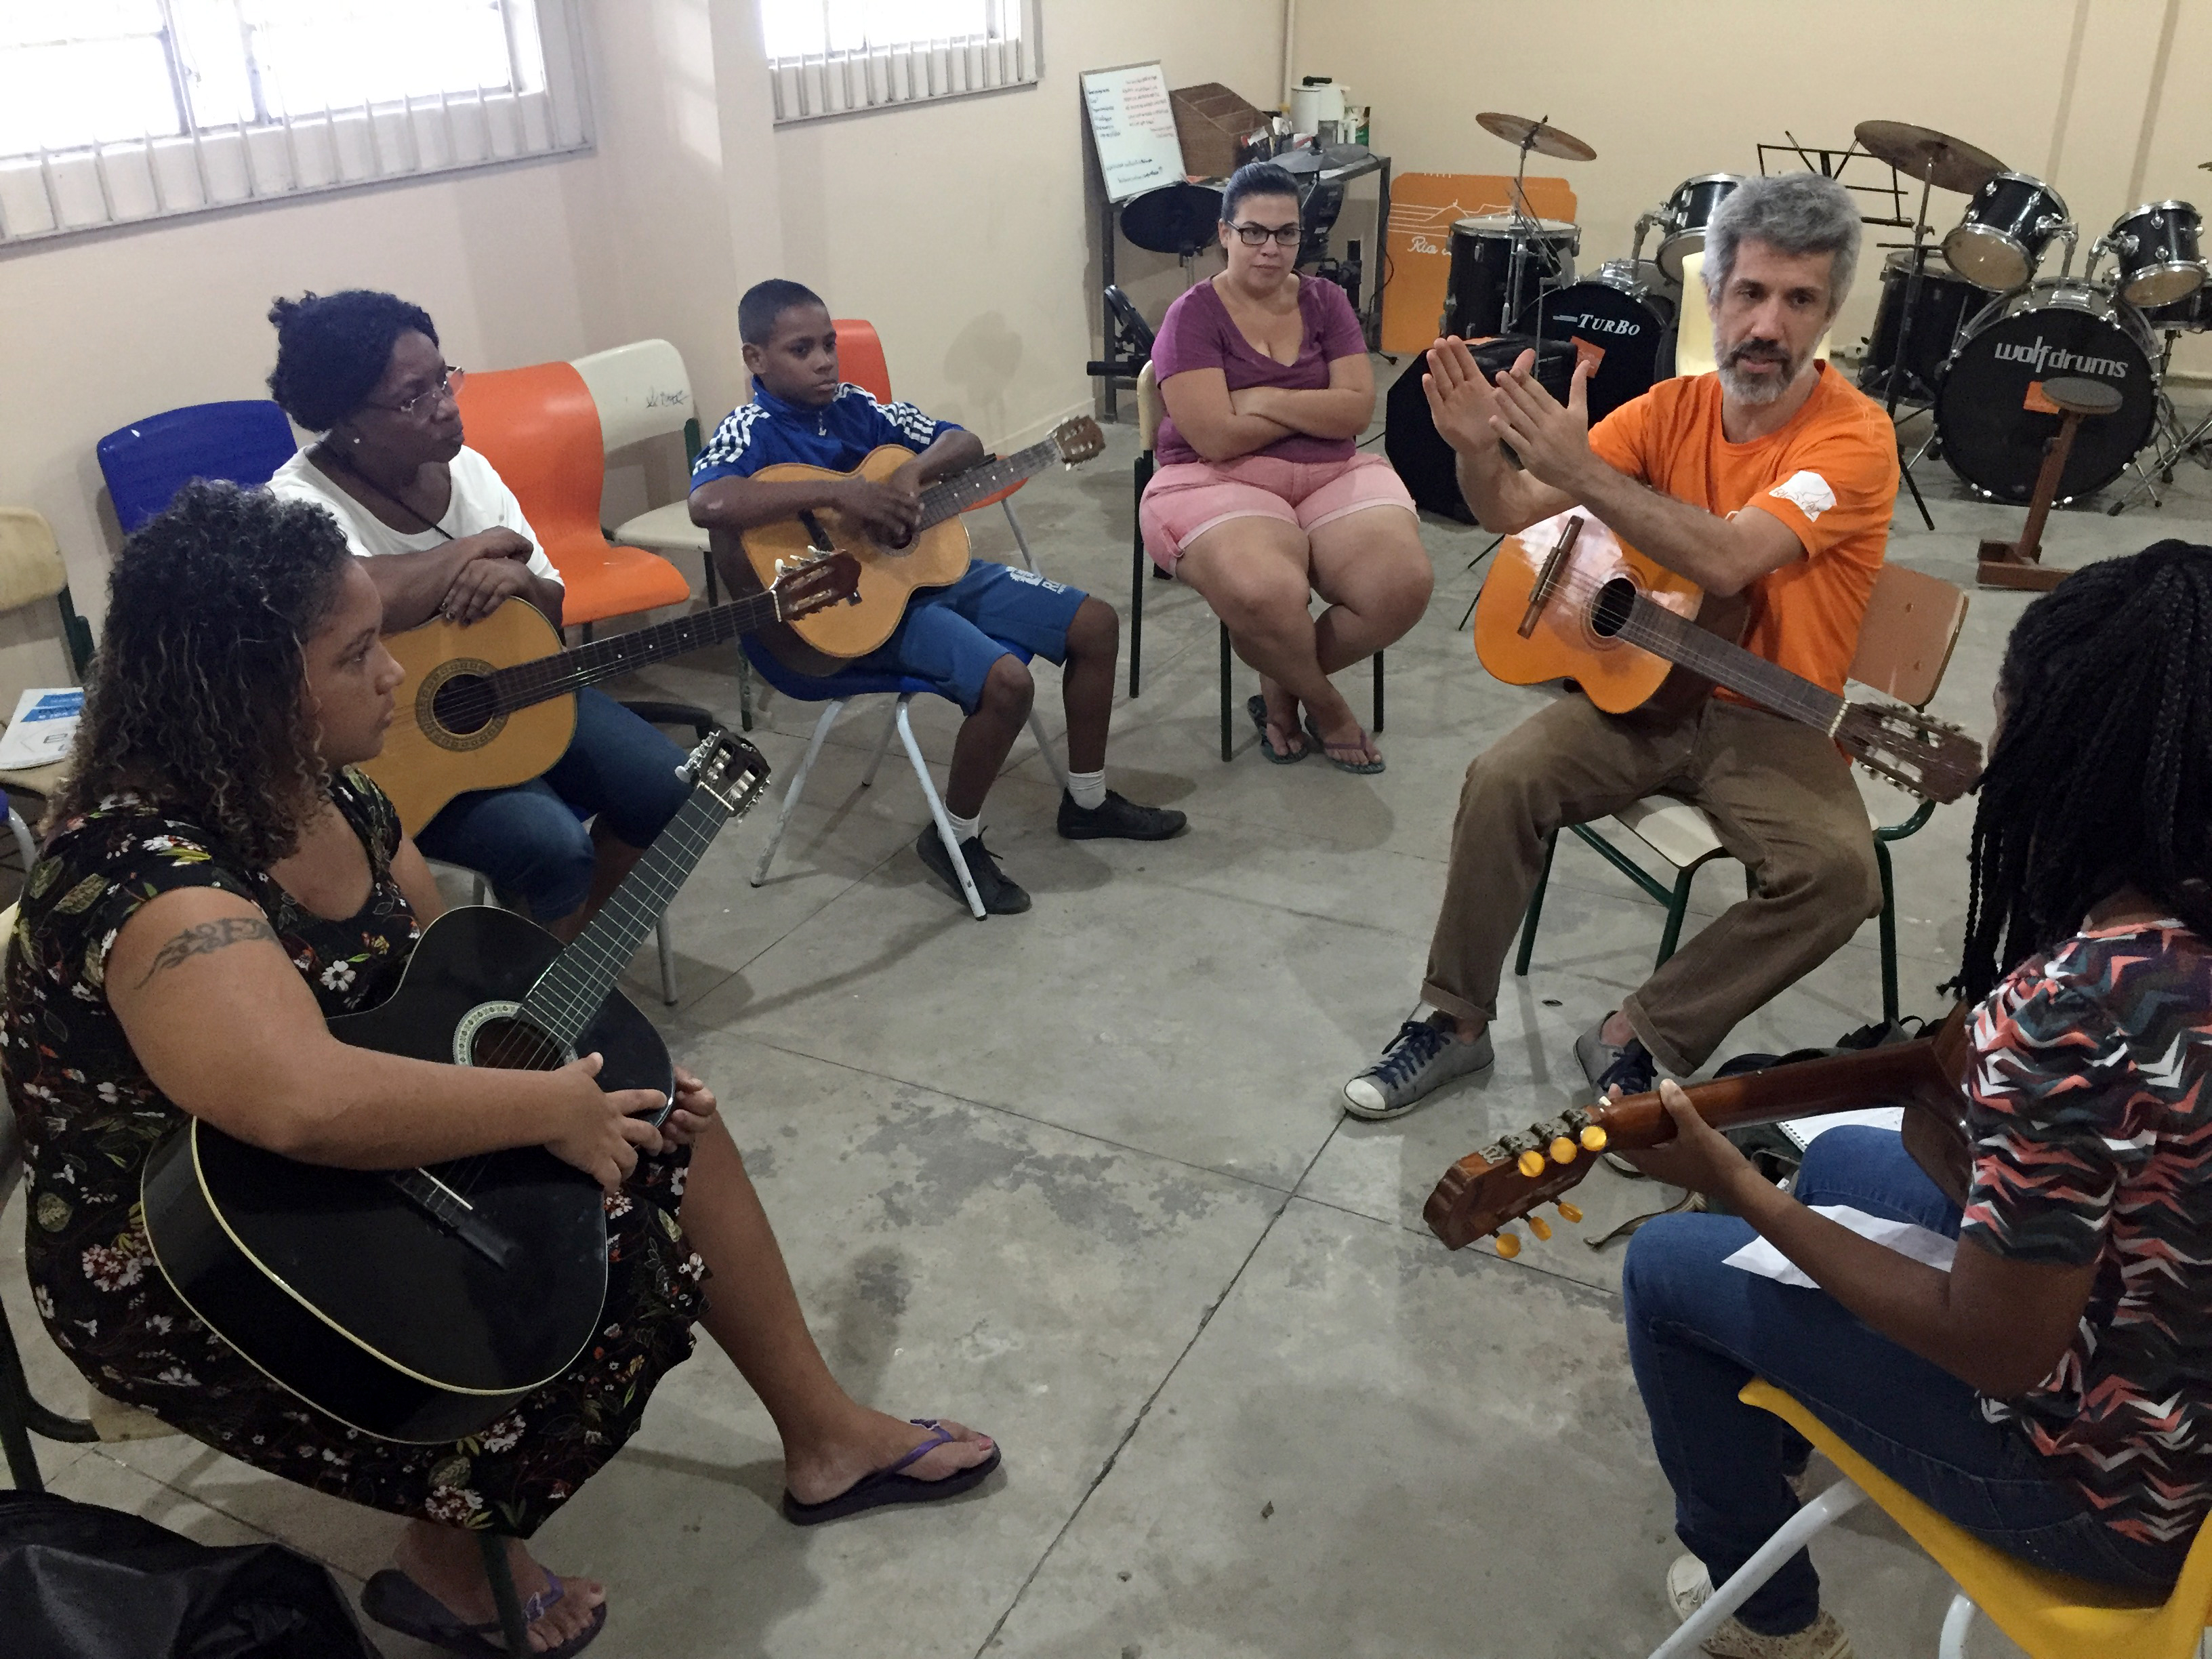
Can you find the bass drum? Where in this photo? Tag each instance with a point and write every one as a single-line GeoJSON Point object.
{"type": "Point", "coordinates": [1994, 439]}
{"type": "Point", "coordinates": [1619, 317]}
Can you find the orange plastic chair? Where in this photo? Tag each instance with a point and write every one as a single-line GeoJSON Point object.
{"type": "Point", "coordinates": [861, 361]}
{"type": "Point", "coordinates": [539, 428]}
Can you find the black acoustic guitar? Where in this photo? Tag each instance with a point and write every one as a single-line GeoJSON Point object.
{"type": "Point", "coordinates": [419, 1305]}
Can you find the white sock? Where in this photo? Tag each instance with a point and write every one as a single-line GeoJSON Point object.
{"type": "Point", "coordinates": [1088, 788]}
{"type": "Point", "coordinates": [964, 830]}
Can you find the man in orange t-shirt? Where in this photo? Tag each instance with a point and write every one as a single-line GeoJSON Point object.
{"type": "Point", "coordinates": [1771, 477]}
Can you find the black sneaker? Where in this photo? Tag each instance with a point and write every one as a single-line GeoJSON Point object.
{"type": "Point", "coordinates": [1001, 896]}
{"type": "Point", "coordinates": [1628, 1065]}
{"type": "Point", "coordinates": [1117, 818]}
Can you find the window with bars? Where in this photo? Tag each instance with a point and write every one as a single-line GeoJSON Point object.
{"type": "Point", "coordinates": [835, 57]}
{"type": "Point", "coordinates": [113, 112]}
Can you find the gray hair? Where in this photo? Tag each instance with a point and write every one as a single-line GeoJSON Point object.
{"type": "Point", "coordinates": [1794, 214]}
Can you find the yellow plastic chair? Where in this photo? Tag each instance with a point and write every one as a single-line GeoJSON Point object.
{"type": "Point", "coordinates": [2052, 1615]}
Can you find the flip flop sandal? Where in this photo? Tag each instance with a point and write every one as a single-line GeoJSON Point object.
{"type": "Point", "coordinates": [887, 1486]}
{"type": "Point", "coordinates": [398, 1602]}
{"type": "Point", "coordinates": [1257, 709]}
{"type": "Point", "coordinates": [1363, 768]}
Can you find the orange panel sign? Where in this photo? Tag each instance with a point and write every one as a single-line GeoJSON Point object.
{"type": "Point", "coordinates": [1424, 206]}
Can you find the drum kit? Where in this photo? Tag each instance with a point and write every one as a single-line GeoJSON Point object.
{"type": "Point", "coordinates": [1966, 326]}
{"type": "Point", "coordinates": [1971, 327]}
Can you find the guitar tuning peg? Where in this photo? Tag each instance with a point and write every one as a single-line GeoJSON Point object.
{"type": "Point", "coordinates": [1593, 1139]}
{"type": "Point", "coordinates": [1569, 1211]}
{"type": "Point", "coordinates": [1509, 1245]}
{"type": "Point", "coordinates": [1563, 1150]}
{"type": "Point", "coordinates": [1541, 1227]}
{"type": "Point", "coordinates": [1530, 1164]}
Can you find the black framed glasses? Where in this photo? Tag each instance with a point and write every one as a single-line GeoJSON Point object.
{"type": "Point", "coordinates": [423, 403]}
{"type": "Point", "coordinates": [1261, 235]}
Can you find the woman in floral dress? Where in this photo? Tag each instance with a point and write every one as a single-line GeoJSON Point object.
{"type": "Point", "coordinates": [217, 881]}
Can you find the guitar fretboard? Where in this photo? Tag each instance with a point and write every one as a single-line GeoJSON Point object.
{"type": "Point", "coordinates": [532, 682]}
{"type": "Point", "coordinates": [949, 497]}
{"type": "Point", "coordinates": [1680, 640]}
{"type": "Point", "coordinates": [574, 985]}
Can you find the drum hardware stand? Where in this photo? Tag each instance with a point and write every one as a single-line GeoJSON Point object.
{"type": "Point", "coordinates": [2018, 564]}
{"type": "Point", "coordinates": [1890, 391]}
{"type": "Point", "coordinates": [1496, 543]}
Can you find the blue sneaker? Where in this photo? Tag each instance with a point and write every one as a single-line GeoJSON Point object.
{"type": "Point", "coordinates": [1423, 1057]}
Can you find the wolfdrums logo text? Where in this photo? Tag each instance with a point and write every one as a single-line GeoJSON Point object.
{"type": "Point", "coordinates": [2057, 360]}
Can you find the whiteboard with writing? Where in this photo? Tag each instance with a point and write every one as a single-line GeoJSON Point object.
{"type": "Point", "coordinates": [1132, 122]}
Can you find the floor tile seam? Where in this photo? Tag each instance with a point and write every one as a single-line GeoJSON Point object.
{"type": "Point", "coordinates": [802, 921]}
{"type": "Point", "coordinates": [212, 1500]}
{"type": "Point", "coordinates": [1137, 1422]}
{"type": "Point", "coordinates": [785, 1047]}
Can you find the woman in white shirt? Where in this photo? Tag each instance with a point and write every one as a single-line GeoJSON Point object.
{"type": "Point", "coordinates": [443, 535]}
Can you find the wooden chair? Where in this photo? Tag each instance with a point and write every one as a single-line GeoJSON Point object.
{"type": "Point", "coordinates": [1150, 409]}
{"type": "Point", "coordinates": [2052, 1615]}
{"type": "Point", "coordinates": [1912, 624]}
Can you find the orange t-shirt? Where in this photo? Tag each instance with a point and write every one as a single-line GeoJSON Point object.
{"type": "Point", "coordinates": [1831, 475]}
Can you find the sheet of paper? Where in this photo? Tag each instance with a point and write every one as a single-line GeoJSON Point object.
{"type": "Point", "coordinates": [1761, 1258]}
{"type": "Point", "coordinates": [42, 728]}
{"type": "Point", "coordinates": [1132, 123]}
{"type": "Point", "coordinates": [1803, 1129]}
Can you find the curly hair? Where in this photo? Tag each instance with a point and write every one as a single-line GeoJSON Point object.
{"type": "Point", "coordinates": [332, 348]}
{"type": "Point", "coordinates": [196, 700]}
{"type": "Point", "coordinates": [2101, 774]}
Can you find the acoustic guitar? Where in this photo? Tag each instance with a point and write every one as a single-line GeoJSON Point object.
{"type": "Point", "coordinates": [1487, 1190]}
{"type": "Point", "coordinates": [492, 703]}
{"type": "Point", "coordinates": [1567, 600]}
{"type": "Point", "coordinates": [419, 1305]}
{"type": "Point", "coordinates": [934, 555]}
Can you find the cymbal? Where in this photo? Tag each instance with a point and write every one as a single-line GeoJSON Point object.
{"type": "Point", "coordinates": [1948, 163]}
{"type": "Point", "coordinates": [1539, 135]}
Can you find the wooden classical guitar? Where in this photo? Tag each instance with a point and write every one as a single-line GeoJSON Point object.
{"type": "Point", "coordinates": [1504, 1182]}
{"type": "Point", "coordinates": [935, 555]}
{"type": "Point", "coordinates": [492, 704]}
{"type": "Point", "coordinates": [419, 1305]}
{"type": "Point", "coordinates": [1566, 599]}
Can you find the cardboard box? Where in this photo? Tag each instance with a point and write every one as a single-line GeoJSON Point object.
{"type": "Point", "coordinates": [1214, 124]}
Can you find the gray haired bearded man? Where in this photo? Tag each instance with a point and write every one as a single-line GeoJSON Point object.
{"type": "Point", "coordinates": [1773, 479]}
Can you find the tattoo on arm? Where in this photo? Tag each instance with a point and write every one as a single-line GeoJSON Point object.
{"type": "Point", "coordinates": [202, 938]}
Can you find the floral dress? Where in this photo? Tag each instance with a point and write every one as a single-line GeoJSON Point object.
{"type": "Point", "coordinates": [91, 1117]}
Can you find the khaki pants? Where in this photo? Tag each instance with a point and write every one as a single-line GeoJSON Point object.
{"type": "Point", "coordinates": [1780, 797]}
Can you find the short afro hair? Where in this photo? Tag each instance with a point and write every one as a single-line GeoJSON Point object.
{"type": "Point", "coordinates": [765, 302]}
{"type": "Point", "coordinates": [332, 348]}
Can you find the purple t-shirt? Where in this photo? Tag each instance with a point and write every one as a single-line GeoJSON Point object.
{"type": "Point", "coordinates": [1198, 333]}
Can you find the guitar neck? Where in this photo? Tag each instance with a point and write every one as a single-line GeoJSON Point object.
{"type": "Point", "coordinates": [1682, 643]}
{"type": "Point", "coordinates": [532, 682]}
{"type": "Point", "coordinates": [1896, 1073]}
{"type": "Point", "coordinates": [574, 983]}
{"type": "Point", "coordinates": [949, 497]}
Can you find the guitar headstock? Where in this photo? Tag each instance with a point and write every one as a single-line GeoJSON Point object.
{"type": "Point", "coordinates": [1487, 1190]}
{"type": "Point", "coordinates": [1919, 753]}
{"type": "Point", "coordinates": [1078, 441]}
{"type": "Point", "coordinates": [805, 586]}
{"type": "Point", "coordinates": [727, 767]}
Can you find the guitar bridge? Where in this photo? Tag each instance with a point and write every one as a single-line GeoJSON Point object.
{"type": "Point", "coordinates": [454, 1214]}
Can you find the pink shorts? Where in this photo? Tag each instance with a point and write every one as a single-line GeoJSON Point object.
{"type": "Point", "coordinates": [1188, 499]}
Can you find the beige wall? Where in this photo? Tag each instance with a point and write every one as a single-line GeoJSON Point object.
{"type": "Point", "coordinates": [2106, 99]}
{"type": "Point", "coordinates": [964, 230]}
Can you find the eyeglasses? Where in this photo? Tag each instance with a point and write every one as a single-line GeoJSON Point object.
{"type": "Point", "coordinates": [423, 403]}
{"type": "Point", "coordinates": [1259, 235]}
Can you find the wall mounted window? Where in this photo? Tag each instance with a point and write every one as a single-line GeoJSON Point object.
{"type": "Point", "coordinates": [835, 57]}
{"type": "Point", "coordinates": [115, 112]}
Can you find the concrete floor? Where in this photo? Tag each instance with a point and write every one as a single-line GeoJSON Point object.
{"type": "Point", "coordinates": [1080, 1178]}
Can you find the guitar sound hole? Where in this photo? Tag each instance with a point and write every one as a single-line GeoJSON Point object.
{"type": "Point", "coordinates": [463, 705]}
{"type": "Point", "coordinates": [513, 1045]}
{"type": "Point", "coordinates": [1609, 614]}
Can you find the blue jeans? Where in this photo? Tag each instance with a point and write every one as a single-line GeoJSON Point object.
{"type": "Point", "coordinates": [531, 839]}
{"type": "Point", "coordinates": [1698, 1331]}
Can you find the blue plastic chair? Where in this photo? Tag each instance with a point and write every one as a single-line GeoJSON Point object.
{"type": "Point", "coordinates": [146, 463]}
{"type": "Point", "coordinates": [836, 690]}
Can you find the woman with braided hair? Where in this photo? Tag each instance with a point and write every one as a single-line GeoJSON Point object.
{"type": "Point", "coordinates": [2051, 1392]}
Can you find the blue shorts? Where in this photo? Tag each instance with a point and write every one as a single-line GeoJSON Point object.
{"type": "Point", "coordinates": [951, 636]}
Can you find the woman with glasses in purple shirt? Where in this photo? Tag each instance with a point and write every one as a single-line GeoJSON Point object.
{"type": "Point", "coordinates": [1261, 499]}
